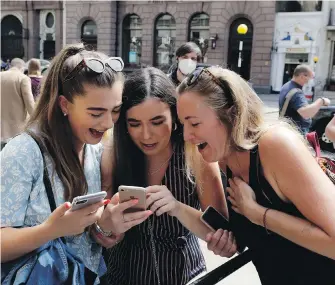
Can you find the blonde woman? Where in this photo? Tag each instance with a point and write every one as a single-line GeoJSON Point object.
{"type": "Point", "coordinates": [34, 73]}
{"type": "Point", "coordinates": [281, 204]}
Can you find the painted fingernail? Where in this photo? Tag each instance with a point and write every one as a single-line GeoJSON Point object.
{"type": "Point", "coordinates": [135, 201]}
{"type": "Point", "coordinates": [107, 201]}
{"type": "Point", "coordinates": [67, 205]}
{"type": "Point", "coordinates": [99, 235]}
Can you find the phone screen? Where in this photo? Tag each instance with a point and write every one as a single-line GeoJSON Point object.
{"type": "Point", "coordinates": [214, 219]}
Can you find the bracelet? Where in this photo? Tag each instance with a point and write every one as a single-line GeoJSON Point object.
{"type": "Point", "coordinates": [101, 231]}
{"type": "Point", "coordinates": [264, 220]}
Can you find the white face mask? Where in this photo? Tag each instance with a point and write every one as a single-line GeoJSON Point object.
{"type": "Point", "coordinates": [187, 66]}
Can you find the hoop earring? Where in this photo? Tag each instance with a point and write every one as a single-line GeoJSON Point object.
{"type": "Point", "coordinates": [175, 126]}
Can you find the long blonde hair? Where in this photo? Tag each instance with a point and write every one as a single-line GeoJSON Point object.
{"type": "Point", "coordinates": [237, 106]}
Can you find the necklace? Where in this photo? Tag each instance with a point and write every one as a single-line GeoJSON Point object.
{"type": "Point", "coordinates": [159, 168]}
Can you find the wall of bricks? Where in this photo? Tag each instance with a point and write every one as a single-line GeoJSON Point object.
{"type": "Point", "coordinates": [109, 16]}
{"type": "Point", "coordinates": [104, 15]}
{"type": "Point", "coordinates": [222, 14]}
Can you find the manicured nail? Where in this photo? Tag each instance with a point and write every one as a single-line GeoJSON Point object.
{"type": "Point", "coordinates": [99, 235]}
{"type": "Point", "coordinates": [67, 205]}
{"type": "Point", "coordinates": [107, 201]}
{"type": "Point", "coordinates": [135, 201]}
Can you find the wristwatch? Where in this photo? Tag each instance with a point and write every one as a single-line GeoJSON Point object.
{"type": "Point", "coordinates": [101, 231]}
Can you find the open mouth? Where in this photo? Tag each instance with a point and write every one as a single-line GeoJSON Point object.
{"type": "Point", "coordinates": [149, 146]}
{"type": "Point", "coordinates": [96, 133]}
{"type": "Point", "coordinates": [202, 146]}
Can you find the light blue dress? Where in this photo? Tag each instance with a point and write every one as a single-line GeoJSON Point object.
{"type": "Point", "coordinates": [24, 201]}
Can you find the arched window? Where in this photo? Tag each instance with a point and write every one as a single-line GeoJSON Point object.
{"type": "Point", "coordinates": [199, 31]}
{"type": "Point", "coordinates": [165, 39]}
{"type": "Point", "coordinates": [89, 34]}
{"type": "Point", "coordinates": [132, 40]}
{"type": "Point", "coordinates": [11, 38]}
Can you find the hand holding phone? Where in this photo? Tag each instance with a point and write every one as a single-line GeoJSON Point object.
{"type": "Point", "coordinates": [127, 193]}
{"type": "Point", "coordinates": [214, 220]}
{"type": "Point", "coordinates": [86, 200]}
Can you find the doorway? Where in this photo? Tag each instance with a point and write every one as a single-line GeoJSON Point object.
{"type": "Point", "coordinates": [11, 38]}
{"type": "Point", "coordinates": [234, 44]}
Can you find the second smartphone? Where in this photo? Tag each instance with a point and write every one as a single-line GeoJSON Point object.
{"type": "Point", "coordinates": [127, 193]}
{"type": "Point", "coordinates": [214, 220]}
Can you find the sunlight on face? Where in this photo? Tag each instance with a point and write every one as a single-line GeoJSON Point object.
{"type": "Point", "coordinates": [91, 115]}
{"type": "Point", "coordinates": [202, 126]}
{"type": "Point", "coordinates": [149, 125]}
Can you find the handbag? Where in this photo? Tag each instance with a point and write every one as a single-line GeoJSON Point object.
{"type": "Point", "coordinates": [52, 263]}
{"type": "Point", "coordinates": [326, 164]}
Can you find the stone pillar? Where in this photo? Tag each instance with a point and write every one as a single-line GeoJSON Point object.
{"type": "Point", "coordinates": [59, 29]}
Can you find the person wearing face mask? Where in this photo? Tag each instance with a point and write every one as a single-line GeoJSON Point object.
{"type": "Point", "coordinates": [188, 55]}
{"type": "Point", "coordinates": [298, 109]}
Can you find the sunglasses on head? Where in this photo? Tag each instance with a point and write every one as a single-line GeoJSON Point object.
{"type": "Point", "coordinates": [194, 78]}
{"type": "Point", "coordinates": [97, 66]}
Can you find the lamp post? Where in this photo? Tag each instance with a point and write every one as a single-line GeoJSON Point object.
{"type": "Point", "coordinates": [315, 60]}
{"type": "Point", "coordinates": [242, 29]}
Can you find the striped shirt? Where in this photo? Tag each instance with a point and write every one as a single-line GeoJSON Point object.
{"type": "Point", "coordinates": [178, 253]}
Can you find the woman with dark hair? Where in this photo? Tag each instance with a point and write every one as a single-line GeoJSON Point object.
{"type": "Point", "coordinates": [187, 55]}
{"type": "Point", "coordinates": [148, 149]}
{"type": "Point", "coordinates": [80, 100]}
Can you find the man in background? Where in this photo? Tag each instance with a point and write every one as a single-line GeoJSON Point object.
{"type": "Point", "coordinates": [299, 110]}
{"type": "Point", "coordinates": [17, 101]}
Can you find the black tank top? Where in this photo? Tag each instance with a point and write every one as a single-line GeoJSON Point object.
{"type": "Point", "coordinates": [277, 260]}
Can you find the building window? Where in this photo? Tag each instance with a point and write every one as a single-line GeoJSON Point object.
{"type": "Point", "coordinates": [298, 6]}
{"type": "Point", "coordinates": [199, 31]}
{"type": "Point", "coordinates": [89, 34]}
{"type": "Point", "coordinates": [165, 39]}
{"type": "Point", "coordinates": [132, 40]}
{"type": "Point", "coordinates": [50, 20]}
{"type": "Point", "coordinates": [11, 38]}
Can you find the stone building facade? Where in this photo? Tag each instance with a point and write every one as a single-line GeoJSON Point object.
{"type": "Point", "coordinates": [149, 32]}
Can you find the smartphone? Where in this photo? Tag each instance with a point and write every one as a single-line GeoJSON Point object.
{"type": "Point", "coordinates": [86, 200]}
{"type": "Point", "coordinates": [214, 220]}
{"type": "Point", "coordinates": [127, 193]}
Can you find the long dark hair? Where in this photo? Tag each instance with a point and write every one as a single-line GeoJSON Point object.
{"type": "Point", "coordinates": [129, 162]}
{"type": "Point", "coordinates": [52, 128]}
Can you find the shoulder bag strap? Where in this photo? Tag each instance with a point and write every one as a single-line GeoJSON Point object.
{"type": "Point", "coordinates": [46, 180]}
{"type": "Point", "coordinates": [287, 101]}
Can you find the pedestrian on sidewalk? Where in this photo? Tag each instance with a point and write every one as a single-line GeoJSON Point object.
{"type": "Point", "coordinates": [34, 73]}
{"type": "Point", "coordinates": [187, 55]}
{"type": "Point", "coordinates": [293, 103]}
{"type": "Point", "coordinates": [17, 101]}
